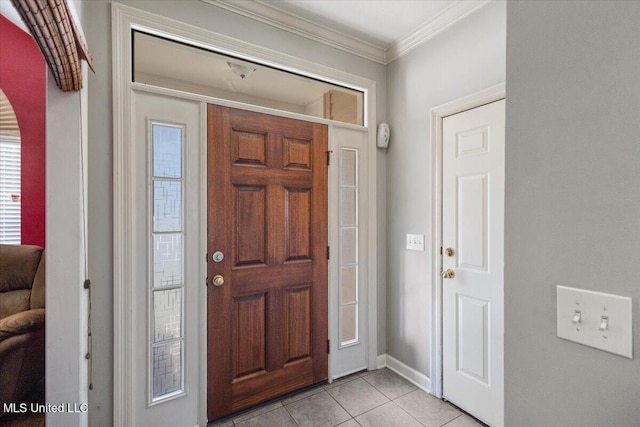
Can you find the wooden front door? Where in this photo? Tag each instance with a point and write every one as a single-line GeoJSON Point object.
{"type": "Point", "coordinates": [267, 215]}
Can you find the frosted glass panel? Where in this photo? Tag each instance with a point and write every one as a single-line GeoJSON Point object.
{"type": "Point", "coordinates": [167, 260]}
{"type": "Point", "coordinates": [347, 167]}
{"type": "Point", "coordinates": [348, 206]}
{"type": "Point", "coordinates": [348, 326]}
{"type": "Point", "coordinates": [348, 251]}
{"type": "Point", "coordinates": [167, 310]}
{"type": "Point", "coordinates": [348, 286]}
{"type": "Point", "coordinates": [167, 206]}
{"type": "Point", "coordinates": [167, 151]}
{"type": "Point", "coordinates": [167, 369]}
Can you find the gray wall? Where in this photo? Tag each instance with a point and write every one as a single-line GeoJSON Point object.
{"type": "Point", "coordinates": [572, 205]}
{"type": "Point", "coordinates": [97, 25]}
{"type": "Point", "coordinates": [465, 58]}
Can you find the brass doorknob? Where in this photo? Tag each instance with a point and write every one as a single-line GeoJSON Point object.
{"type": "Point", "coordinates": [218, 280]}
{"type": "Point", "coordinates": [448, 274]}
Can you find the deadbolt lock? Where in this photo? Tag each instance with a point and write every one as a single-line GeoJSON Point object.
{"type": "Point", "coordinates": [218, 280]}
{"type": "Point", "coordinates": [449, 252]}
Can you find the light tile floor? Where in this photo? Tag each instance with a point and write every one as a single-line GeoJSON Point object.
{"type": "Point", "coordinates": [369, 399]}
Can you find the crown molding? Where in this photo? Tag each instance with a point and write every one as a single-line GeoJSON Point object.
{"type": "Point", "coordinates": [443, 20]}
{"type": "Point", "coordinates": [270, 15]}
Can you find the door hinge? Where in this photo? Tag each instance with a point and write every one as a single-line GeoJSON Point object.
{"type": "Point", "coordinates": [328, 346]}
{"type": "Point", "coordinates": [329, 157]}
{"type": "Point", "coordinates": [328, 252]}
{"type": "Point", "coordinates": [440, 250]}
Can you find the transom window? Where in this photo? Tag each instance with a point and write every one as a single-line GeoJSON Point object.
{"type": "Point", "coordinates": [161, 62]}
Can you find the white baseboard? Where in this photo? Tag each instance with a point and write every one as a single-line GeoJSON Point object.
{"type": "Point", "coordinates": [420, 380]}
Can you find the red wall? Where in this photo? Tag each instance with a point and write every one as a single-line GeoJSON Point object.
{"type": "Point", "coordinates": [23, 80]}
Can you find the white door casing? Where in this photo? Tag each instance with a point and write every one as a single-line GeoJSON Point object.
{"type": "Point", "coordinates": [473, 227]}
{"type": "Point", "coordinates": [181, 407]}
{"type": "Point", "coordinates": [126, 203]}
{"type": "Point", "coordinates": [348, 272]}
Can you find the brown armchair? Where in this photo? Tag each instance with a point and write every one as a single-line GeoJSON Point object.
{"type": "Point", "coordinates": [21, 321]}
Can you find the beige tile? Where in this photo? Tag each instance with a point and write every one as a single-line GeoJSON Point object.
{"type": "Point", "coordinates": [257, 411]}
{"type": "Point", "coordinates": [341, 381]}
{"type": "Point", "coordinates": [363, 374]}
{"type": "Point", "coordinates": [464, 420]}
{"type": "Point", "coordinates": [350, 423]}
{"type": "Point", "coordinates": [430, 411]}
{"type": "Point", "coordinates": [227, 422]}
{"type": "Point", "coordinates": [389, 383]}
{"type": "Point", "coordinates": [276, 418]}
{"type": "Point", "coordinates": [387, 415]}
{"type": "Point", "coordinates": [302, 395]}
{"type": "Point", "coordinates": [357, 396]}
{"type": "Point", "coordinates": [317, 410]}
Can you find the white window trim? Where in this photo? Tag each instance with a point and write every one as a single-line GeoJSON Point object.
{"type": "Point", "coordinates": [124, 19]}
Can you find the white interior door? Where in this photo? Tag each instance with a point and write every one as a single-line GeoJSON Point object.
{"type": "Point", "coordinates": [348, 302]}
{"type": "Point", "coordinates": [168, 275]}
{"type": "Point", "coordinates": [473, 242]}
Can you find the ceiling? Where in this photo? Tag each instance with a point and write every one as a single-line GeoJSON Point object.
{"type": "Point", "coordinates": [380, 23]}
{"type": "Point", "coordinates": [379, 30]}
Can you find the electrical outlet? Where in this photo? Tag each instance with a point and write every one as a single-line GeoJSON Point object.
{"type": "Point", "coordinates": [415, 242]}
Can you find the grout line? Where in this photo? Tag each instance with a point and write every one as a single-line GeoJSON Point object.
{"type": "Point", "coordinates": [340, 405]}
{"type": "Point", "coordinates": [463, 412]}
{"type": "Point", "coordinates": [343, 380]}
{"type": "Point", "coordinates": [383, 393]}
{"type": "Point", "coordinates": [290, 416]}
{"type": "Point", "coordinates": [233, 420]}
{"type": "Point", "coordinates": [402, 409]}
{"type": "Point", "coordinates": [369, 410]}
{"type": "Point", "coordinates": [402, 395]}
{"type": "Point", "coordinates": [450, 421]}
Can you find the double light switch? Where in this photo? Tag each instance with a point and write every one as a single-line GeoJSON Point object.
{"type": "Point", "coordinates": [596, 319]}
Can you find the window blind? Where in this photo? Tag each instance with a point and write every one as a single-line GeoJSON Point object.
{"type": "Point", "coordinates": [10, 211]}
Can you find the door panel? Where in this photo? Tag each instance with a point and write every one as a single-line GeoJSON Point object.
{"type": "Point", "coordinates": [298, 323]}
{"type": "Point", "coordinates": [267, 191]}
{"type": "Point", "coordinates": [349, 283]}
{"type": "Point", "coordinates": [473, 226]}
{"type": "Point", "coordinates": [472, 333]}
{"type": "Point", "coordinates": [472, 222]}
{"type": "Point", "coordinates": [249, 345]}
{"type": "Point", "coordinates": [166, 275]}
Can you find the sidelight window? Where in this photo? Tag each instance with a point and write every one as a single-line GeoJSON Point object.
{"type": "Point", "coordinates": [348, 259]}
{"type": "Point", "coordinates": [167, 285]}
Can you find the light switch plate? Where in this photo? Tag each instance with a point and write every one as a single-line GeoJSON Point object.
{"type": "Point", "coordinates": [581, 314]}
{"type": "Point", "coordinates": [415, 242]}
